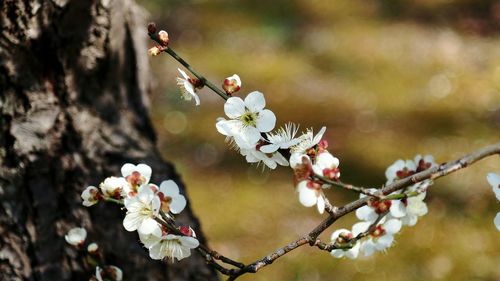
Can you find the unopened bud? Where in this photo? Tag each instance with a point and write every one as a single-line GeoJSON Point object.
{"type": "Point", "coordinates": [154, 51]}
{"type": "Point", "coordinates": [163, 37]}
{"type": "Point", "coordinates": [151, 28]}
{"type": "Point", "coordinates": [92, 248]}
{"type": "Point", "coordinates": [232, 84]}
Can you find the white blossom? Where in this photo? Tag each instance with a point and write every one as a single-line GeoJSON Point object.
{"type": "Point", "coordinates": [247, 120]}
{"type": "Point", "coordinates": [76, 236]}
{"type": "Point", "coordinates": [90, 196]}
{"type": "Point", "coordinates": [373, 209]}
{"type": "Point", "coordinates": [171, 200]}
{"type": "Point", "coordinates": [326, 165]}
{"type": "Point", "coordinates": [307, 141]}
{"type": "Point", "coordinates": [398, 169]}
{"type": "Point", "coordinates": [310, 195]}
{"type": "Point", "coordinates": [141, 211]}
{"type": "Point", "coordinates": [380, 238]}
{"type": "Point", "coordinates": [136, 176]}
{"type": "Point", "coordinates": [409, 209]}
{"type": "Point", "coordinates": [170, 246]}
{"type": "Point", "coordinates": [188, 89]}
{"type": "Point", "coordinates": [283, 138]}
{"type": "Point", "coordinates": [113, 186]}
{"type": "Point", "coordinates": [351, 253]}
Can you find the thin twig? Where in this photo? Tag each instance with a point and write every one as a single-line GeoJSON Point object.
{"type": "Point", "coordinates": [351, 187]}
{"type": "Point", "coordinates": [172, 53]}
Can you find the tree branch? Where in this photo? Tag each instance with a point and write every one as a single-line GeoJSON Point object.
{"type": "Point", "coordinates": [311, 237]}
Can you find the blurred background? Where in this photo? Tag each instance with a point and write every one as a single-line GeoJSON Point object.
{"type": "Point", "coordinates": [389, 79]}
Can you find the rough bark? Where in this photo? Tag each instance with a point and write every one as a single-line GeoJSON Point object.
{"type": "Point", "coordinates": [74, 79]}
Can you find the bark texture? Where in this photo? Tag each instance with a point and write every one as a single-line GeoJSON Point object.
{"type": "Point", "coordinates": [74, 79]}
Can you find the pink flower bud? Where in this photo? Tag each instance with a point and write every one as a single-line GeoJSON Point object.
{"type": "Point", "coordinates": [232, 84]}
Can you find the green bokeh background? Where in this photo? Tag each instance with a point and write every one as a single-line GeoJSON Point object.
{"type": "Point", "coordinates": [389, 79]}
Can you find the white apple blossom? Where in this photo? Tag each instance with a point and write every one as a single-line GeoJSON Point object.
{"type": "Point", "coordinates": [338, 236]}
{"type": "Point", "coordinates": [141, 212]}
{"type": "Point", "coordinates": [310, 195]}
{"type": "Point", "coordinates": [380, 238]}
{"type": "Point", "coordinates": [136, 176]}
{"type": "Point", "coordinates": [90, 196]}
{"type": "Point", "coordinates": [76, 236]}
{"type": "Point", "coordinates": [271, 160]}
{"type": "Point", "coordinates": [247, 120]}
{"type": "Point", "coordinates": [409, 209]}
{"type": "Point", "coordinates": [494, 181]}
{"type": "Point", "coordinates": [170, 246]}
{"type": "Point", "coordinates": [326, 165]}
{"type": "Point", "coordinates": [171, 200]}
{"type": "Point", "coordinates": [283, 138]}
{"type": "Point", "coordinates": [188, 89]}
{"type": "Point", "coordinates": [113, 186]}
{"type": "Point", "coordinates": [109, 272]}
{"type": "Point", "coordinates": [307, 141]}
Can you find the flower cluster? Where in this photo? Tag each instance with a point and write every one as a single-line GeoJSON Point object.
{"type": "Point", "coordinates": [382, 218]}
{"type": "Point", "coordinates": [150, 210]}
{"type": "Point", "coordinates": [494, 181]}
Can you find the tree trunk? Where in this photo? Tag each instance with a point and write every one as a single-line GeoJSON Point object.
{"type": "Point", "coordinates": [74, 78]}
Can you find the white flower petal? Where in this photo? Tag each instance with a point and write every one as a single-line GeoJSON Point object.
{"type": "Point", "coordinates": [319, 136]}
{"type": "Point", "coordinates": [248, 137]}
{"type": "Point", "coordinates": [392, 226]}
{"type": "Point", "coordinates": [189, 242]}
{"type": "Point", "coordinates": [255, 101]}
{"type": "Point", "coordinates": [131, 221]}
{"type": "Point", "coordinates": [494, 181]}
{"type": "Point", "coordinates": [266, 120]}
{"type": "Point", "coordinates": [384, 242]}
{"type": "Point", "coordinates": [397, 209]}
{"type": "Point", "coordinates": [169, 188]}
{"type": "Point", "coordinates": [234, 107]}
{"type": "Point", "coordinates": [127, 169]}
{"type": "Point", "coordinates": [307, 196]}
{"type": "Point", "coordinates": [360, 227]}
{"type": "Point", "coordinates": [338, 253]}
{"type": "Point", "coordinates": [496, 221]}
{"type": "Point", "coordinates": [145, 171]}
{"type": "Point", "coordinates": [183, 73]}
{"type": "Point", "coordinates": [368, 247]}
{"type": "Point", "coordinates": [321, 204]}
{"type": "Point", "coordinates": [178, 204]}
{"type": "Point", "coordinates": [148, 226]}
{"type": "Point", "coordinates": [269, 148]}
{"type": "Point", "coordinates": [366, 213]}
